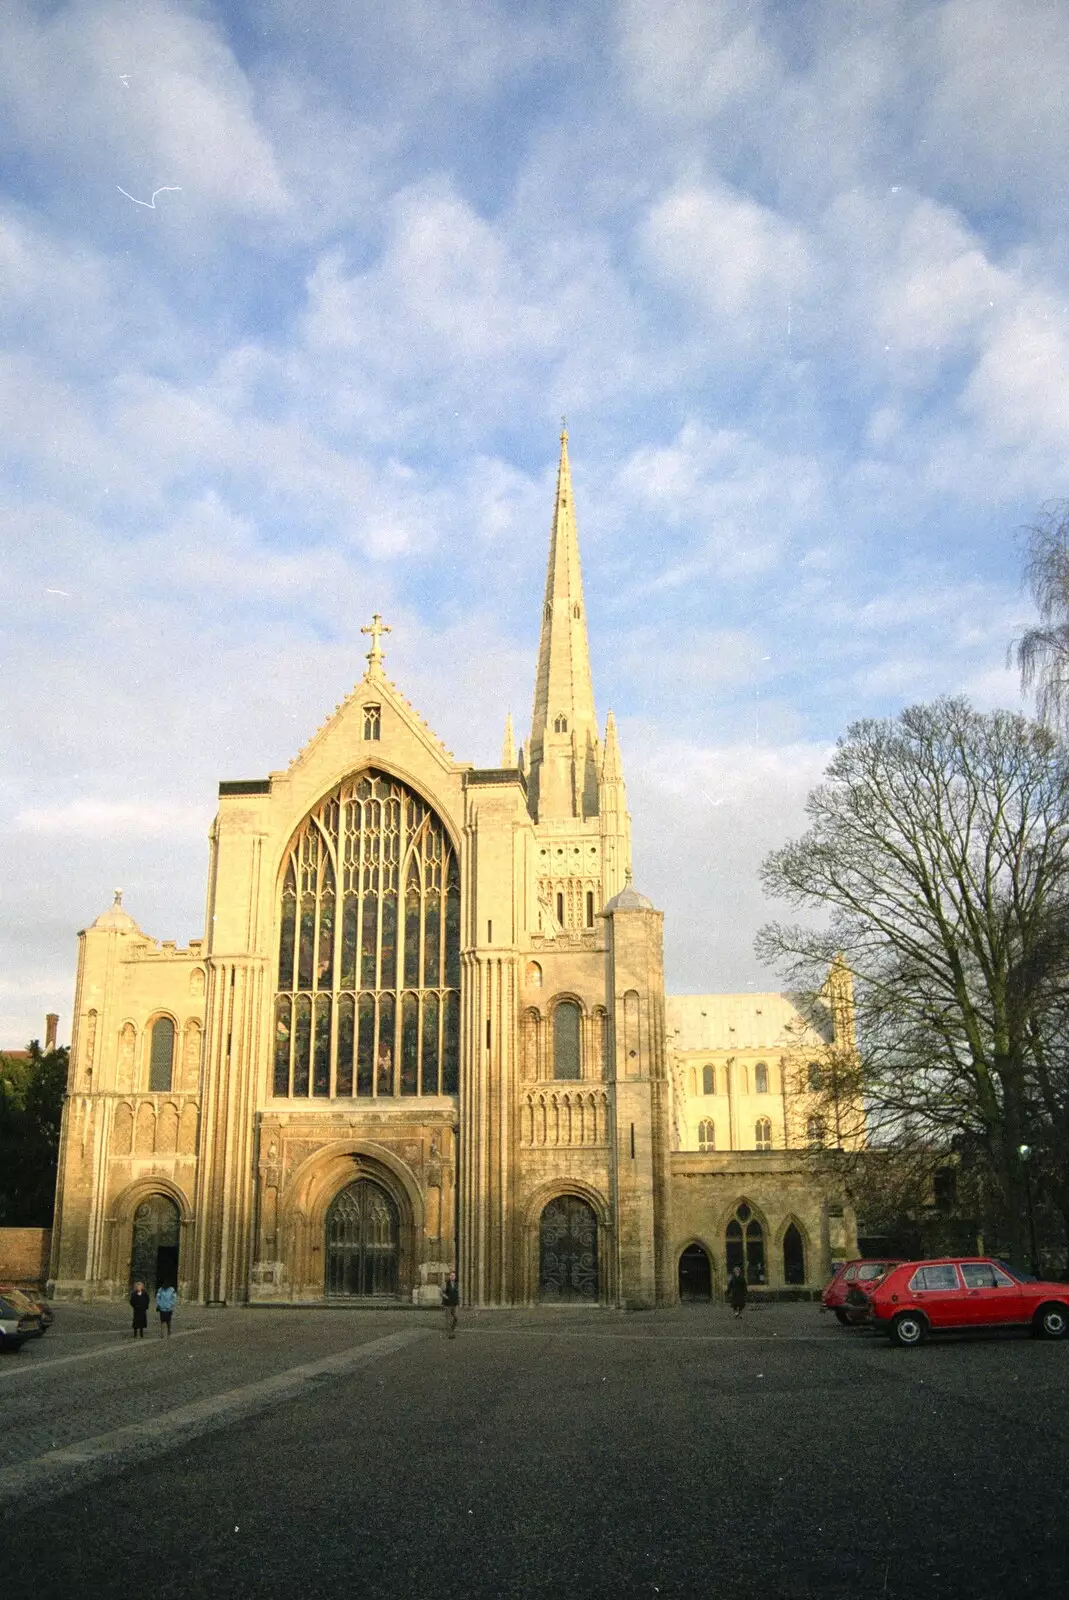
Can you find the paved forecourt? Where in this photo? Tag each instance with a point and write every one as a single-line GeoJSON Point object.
{"type": "Point", "coordinates": [545, 1452]}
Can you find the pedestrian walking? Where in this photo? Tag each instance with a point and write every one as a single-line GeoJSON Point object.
{"type": "Point", "coordinates": [165, 1304]}
{"type": "Point", "coordinates": [140, 1302]}
{"type": "Point", "coordinates": [736, 1295]}
{"type": "Point", "coordinates": [451, 1303]}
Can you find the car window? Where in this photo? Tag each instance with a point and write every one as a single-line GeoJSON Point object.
{"type": "Point", "coordinates": [850, 1274]}
{"type": "Point", "coordinates": [981, 1275]}
{"type": "Point", "coordinates": [1016, 1274]}
{"type": "Point", "coordinates": [941, 1277]}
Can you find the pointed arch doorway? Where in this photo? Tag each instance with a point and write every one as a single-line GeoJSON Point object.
{"type": "Point", "coordinates": [363, 1243]}
{"type": "Point", "coordinates": [695, 1274]}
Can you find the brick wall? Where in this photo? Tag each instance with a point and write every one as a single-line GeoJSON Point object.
{"type": "Point", "coordinates": [24, 1254]}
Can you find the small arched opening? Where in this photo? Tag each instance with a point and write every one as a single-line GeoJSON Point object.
{"type": "Point", "coordinates": [793, 1255]}
{"type": "Point", "coordinates": [695, 1274]}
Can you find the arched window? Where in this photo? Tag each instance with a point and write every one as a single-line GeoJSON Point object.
{"type": "Point", "coordinates": [814, 1133]}
{"type": "Point", "coordinates": [708, 1080]}
{"type": "Point", "coordinates": [368, 997]}
{"type": "Point", "coordinates": [161, 1055]}
{"type": "Point", "coordinates": [793, 1255]}
{"type": "Point", "coordinates": [560, 723]}
{"type": "Point", "coordinates": [707, 1134]}
{"type": "Point", "coordinates": [816, 1077]}
{"type": "Point", "coordinates": [745, 1244]}
{"type": "Point", "coordinates": [760, 1078]}
{"type": "Point", "coordinates": [762, 1134]}
{"type": "Point", "coordinates": [566, 1026]}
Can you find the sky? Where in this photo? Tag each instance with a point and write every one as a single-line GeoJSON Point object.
{"type": "Point", "coordinates": [293, 299]}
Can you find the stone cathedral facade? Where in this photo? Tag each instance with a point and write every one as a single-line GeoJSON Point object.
{"type": "Point", "coordinates": [426, 1027]}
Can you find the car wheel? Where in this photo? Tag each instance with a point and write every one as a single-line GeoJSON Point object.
{"type": "Point", "coordinates": [908, 1328]}
{"type": "Point", "coordinates": [1051, 1322]}
{"type": "Point", "coordinates": [841, 1316]}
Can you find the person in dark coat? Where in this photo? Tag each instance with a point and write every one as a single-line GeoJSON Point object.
{"type": "Point", "coordinates": [140, 1302]}
{"type": "Point", "coordinates": [736, 1295]}
{"type": "Point", "coordinates": [451, 1303]}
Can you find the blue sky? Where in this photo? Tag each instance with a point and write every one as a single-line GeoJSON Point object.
{"type": "Point", "coordinates": [796, 274]}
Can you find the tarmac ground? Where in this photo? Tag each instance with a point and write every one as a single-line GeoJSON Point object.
{"type": "Point", "coordinates": [544, 1452]}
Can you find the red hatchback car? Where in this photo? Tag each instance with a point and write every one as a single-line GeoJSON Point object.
{"type": "Point", "coordinates": [861, 1274]}
{"type": "Point", "coordinates": [955, 1294]}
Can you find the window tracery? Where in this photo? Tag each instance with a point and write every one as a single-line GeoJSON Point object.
{"type": "Point", "coordinates": [706, 1134]}
{"type": "Point", "coordinates": [368, 995]}
{"type": "Point", "coordinates": [763, 1134]}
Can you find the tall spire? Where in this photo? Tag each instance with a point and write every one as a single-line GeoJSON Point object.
{"type": "Point", "coordinates": [564, 731]}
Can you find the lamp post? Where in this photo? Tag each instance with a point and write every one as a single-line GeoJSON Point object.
{"type": "Point", "coordinates": [1024, 1151]}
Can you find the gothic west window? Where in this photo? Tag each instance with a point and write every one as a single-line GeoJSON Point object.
{"type": "Point", "coordinates": [566, 1028]}
{"type": "Point", "coordinates": [368, 995]}
{"type": "Point", "coordinates": [745, 1244]}
{"type": "Point", "coordinates": [372, 722]}
{"type": "Point", "coordinates": [560, 723]}
{"type": "Point", "coordinates": [161, 1056]}
{"type": "Point", "coordinates": [706, 1134]}
{"type": "Point", "coordinates": [762, 1134]}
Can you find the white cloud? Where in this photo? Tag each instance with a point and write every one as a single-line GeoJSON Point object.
{"type": "Point", "coordinates": [139, 97]}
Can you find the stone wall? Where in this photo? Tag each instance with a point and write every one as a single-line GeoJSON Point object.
{"type": "Point", "coordinates": [24, 1254]}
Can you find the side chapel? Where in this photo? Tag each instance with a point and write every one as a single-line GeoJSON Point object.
{"type": "Point", "coordinates": [426, 1027]}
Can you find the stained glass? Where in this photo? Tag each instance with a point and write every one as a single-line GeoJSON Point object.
{"type": "Point", "coordinates": [161, 1060]}
{"type": "Point", "coordinates": [283, 1007]}
{"type": "Point", "coordinates": [451, 1043]}
{"type": "Point", "coordinates": [321, 1052]}
{"type": "Point", "coordinates": [430, 1044]}
{"type": "Point", "coordinates": [566, 1020]}
{"type": "Point", "coordinates": [409, 1043]}
{"type": "Point", "coordinates": [369, 907]}
{"type": "Point", "coordinates": [384, 1058]}
{"type": "Point", "coordinates": [302, 1041]}
{"type": "Point", "coordinates": [346, 1041]}
{"type": "Point", "coordinates": [365, 1075]}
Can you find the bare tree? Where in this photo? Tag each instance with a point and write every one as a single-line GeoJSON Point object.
{"type": "Point", "coordinates": [938, 853]}
{"type": "Point", "coordinates": [1042, 653]}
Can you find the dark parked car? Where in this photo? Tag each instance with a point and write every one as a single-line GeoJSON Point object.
{"type": "Point", "coordinates": [29, 1305]}
{"type": "Point", "coordinates": [959, 1293]}
{"type": "Point", "coordinates": [16, 1326]}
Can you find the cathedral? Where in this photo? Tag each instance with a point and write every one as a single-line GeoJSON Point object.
{"type": "Point", "coordinates": [426, 1030]}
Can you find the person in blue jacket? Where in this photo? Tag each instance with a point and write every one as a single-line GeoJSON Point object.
{"type": "Point", "coordinates": [165, 1304]}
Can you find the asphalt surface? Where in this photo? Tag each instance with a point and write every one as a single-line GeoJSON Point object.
{"type": "Point", "coordinates": [542, 1453]}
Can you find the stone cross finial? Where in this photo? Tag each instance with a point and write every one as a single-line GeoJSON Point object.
{"type": "Point", "coordinates": [376, 630]}
{"type": "Point", "coordinates": [118, 898]}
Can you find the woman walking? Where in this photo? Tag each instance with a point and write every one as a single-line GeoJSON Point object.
{"type": "Point", "coordinates": [736, 1295]}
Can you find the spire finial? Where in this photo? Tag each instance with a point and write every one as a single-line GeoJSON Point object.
{"type": "Point", "coordinates": [375, 655]}
{"type": "Point", "coordinates": [564, 430]}
{"type": "Point", "coordinates": [118, 899]}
